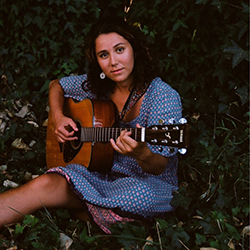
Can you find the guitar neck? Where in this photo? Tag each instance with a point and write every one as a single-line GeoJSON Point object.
{"type": "Point", "coordinates": [93, 134]}
{"type": "Point", "coordinates": [167, 135]}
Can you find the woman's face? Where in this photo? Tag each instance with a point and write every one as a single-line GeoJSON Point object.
{"type": "Point", "coordinates": [116, 57]}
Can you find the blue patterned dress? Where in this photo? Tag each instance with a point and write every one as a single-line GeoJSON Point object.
{"type": "Point", "coordinates": [127, 192]}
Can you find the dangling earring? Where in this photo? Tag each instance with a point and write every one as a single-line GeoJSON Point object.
{"type": "Point", "coordinates": [102, 76]}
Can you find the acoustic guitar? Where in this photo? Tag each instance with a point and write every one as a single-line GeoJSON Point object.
{"type": "Point", "coordinates": [95, 119]}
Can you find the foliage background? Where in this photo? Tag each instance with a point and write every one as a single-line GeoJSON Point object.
{"type": "Point", "coordinates": [201, 48]}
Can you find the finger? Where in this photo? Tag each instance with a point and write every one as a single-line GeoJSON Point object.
{"type": "Point", "coordinates": [124, 132]}
{"type": "Point", "coordinates": [115, 147]}
{"type": "Point", "coordinates": [64, 135]}
{"type": "Point", "coordinates": [127, 140]}
{"type": "Point", "coordinates": [72, 124]}
{"type": "Point", "coordinates": [69, 125]}
{"type": "Point", "coordinates": [127, 145]}
{"type": "Point", "coordinates": [63, 139]}
{"type": "Point", "coordinates": [120, 145]}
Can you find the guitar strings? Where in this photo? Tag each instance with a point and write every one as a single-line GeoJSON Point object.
{"type": "Point", "coordinates": [92, 134]}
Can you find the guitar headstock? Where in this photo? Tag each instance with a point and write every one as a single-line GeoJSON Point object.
{"type": "Point", "coordinates": [172, 135]}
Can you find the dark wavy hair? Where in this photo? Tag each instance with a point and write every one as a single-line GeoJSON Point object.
{"type": "Point", "coordinates": [143, 65]}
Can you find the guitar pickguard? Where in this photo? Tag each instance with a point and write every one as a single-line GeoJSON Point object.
{"type": "Point", "coordinates": [72, 148]}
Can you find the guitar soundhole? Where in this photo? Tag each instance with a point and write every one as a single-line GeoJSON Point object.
{"type": "Point", "coordinates": [77, 143]}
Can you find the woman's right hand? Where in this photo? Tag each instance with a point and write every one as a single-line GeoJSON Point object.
{"type": "Point", "coordinates": [65, 129]}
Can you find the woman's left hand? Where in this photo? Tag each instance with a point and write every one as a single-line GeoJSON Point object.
{"type": "Point", "coordinates": [150, 162]}
{"type": "Point", "coordinates": [128, 146]}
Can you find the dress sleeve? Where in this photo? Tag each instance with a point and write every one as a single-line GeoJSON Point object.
{"type": "Point", "coordinates": [165, 104]}
{"type": "Point", "coordinates": [72, 87]}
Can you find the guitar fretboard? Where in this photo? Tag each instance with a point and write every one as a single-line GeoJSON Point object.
{"type": "Point", "coordinates": [105, 134]}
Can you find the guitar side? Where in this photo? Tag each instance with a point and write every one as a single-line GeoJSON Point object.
{"type": "Point", "coordinates": [94, 156]}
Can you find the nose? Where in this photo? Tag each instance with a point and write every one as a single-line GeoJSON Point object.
{"type": "Point", "coordinates": [113, 60]}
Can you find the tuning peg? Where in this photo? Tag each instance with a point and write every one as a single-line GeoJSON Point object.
{"type": "Point", "coordinates": [182, 151]}
{"type": "Point", "coordinates": [171, 121]}
{"type": "Point", "coordinates": [161, 121]}
{"type": "Point", "coordinates": [182, 121]}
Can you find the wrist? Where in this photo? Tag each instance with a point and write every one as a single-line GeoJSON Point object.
{"type": "Point", "coordinates": [145, 156]}
{"type": "Point", "coordinates": [56, 116]}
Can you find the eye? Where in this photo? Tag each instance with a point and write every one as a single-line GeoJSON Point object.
{"type": "Point", "coordinates": [120, 49]}
{"type": "Point", "coordinates": [103, 55]}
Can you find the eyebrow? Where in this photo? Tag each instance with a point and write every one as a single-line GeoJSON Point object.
{"type": "Point", "coordinates": [115, 46]}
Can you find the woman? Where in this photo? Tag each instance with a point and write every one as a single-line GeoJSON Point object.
{"type": "Point", "coordinates": [143, 177]}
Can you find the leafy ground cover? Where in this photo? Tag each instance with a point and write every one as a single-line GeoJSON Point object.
{"type": "Point", "coordinates": [201, 48]}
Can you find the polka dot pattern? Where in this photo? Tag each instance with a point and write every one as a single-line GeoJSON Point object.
{"type": "Point", "coordinates": [126, 188]}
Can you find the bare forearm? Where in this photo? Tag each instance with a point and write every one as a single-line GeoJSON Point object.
{"type": "Point", "coordinates": [59, 120]}
{"type": "Point", "coordinates": [56, 99]}
{"type": "Point", "coordinates": [152, 163]}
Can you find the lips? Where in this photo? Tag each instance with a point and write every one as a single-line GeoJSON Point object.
{"type": "Point", "coordinates": [117, 71]}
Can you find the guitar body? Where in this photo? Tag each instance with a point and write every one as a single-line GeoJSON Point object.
{"type": "Point", "coordinates": [96, 156]}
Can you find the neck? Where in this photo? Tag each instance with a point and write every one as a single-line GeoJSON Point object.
{"type": "Point", "coordinates": [122, 90]}
{"type": "Point", "coordinates": [125, 86]}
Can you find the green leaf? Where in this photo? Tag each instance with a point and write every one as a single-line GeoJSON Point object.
{"type": "Point", "coordinates": [236, 210]}
{"type": "Point", "coordinates": [208, 228]}
{"type": "Point", "coordinates": [246, 7]}
{"type": "Point", "coordinates": [45, 87]}
{"type": "Point", "coordinates": [179, 24]}
{"type": "Point", "coordinates": [162, 224]}
{"type": "Point", "coordinates": [179, 237]}
{"type": "Point", "coordinates": [200, 239]}
{"type": "Point", "coordinates": [223, 108]}
{"type": "Point", "coordinates": [180, 199]}
{"type": "Point", "coordinates": [243, 94]}
{"type": "Point", "coordinates": [30, 220]}
{"type": "Point", "coordinates": [69, 26]}
{"type": "Point", "coordinates": [217, 4]}
{"type": "Point", "coordinates": [233, 231]}
{"type": "Point", "coordinates": [14, 9]}
{"type": "Point", "coordinates": [238, 54]}
{"type": "Point", "coordinates": [243, 30]}
{"type": "Point", "coordinates": [19, 229]}
{"type": "Point", "coordinates": [85, 238]}
{"type": "Point", "coordinates": [37, 245]}
{"type": "Point", "coordinates": [215, 244]}
{"type": "Point", "coordinates": [72, 9]}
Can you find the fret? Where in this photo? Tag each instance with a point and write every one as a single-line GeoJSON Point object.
{"type": "Point", "coordinates": [105, 135]}
{"type": "Point", "coordinates": [116, 133]}
{"type": "Point", "coordinates": [143, 135]}
{"type": "Point", "coordinates": [99, 135]}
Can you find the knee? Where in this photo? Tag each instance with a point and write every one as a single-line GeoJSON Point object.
{"type": "Point", "coordinates": [51, 190]}
{"type": "Point", "coordinates": [46, 183]}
